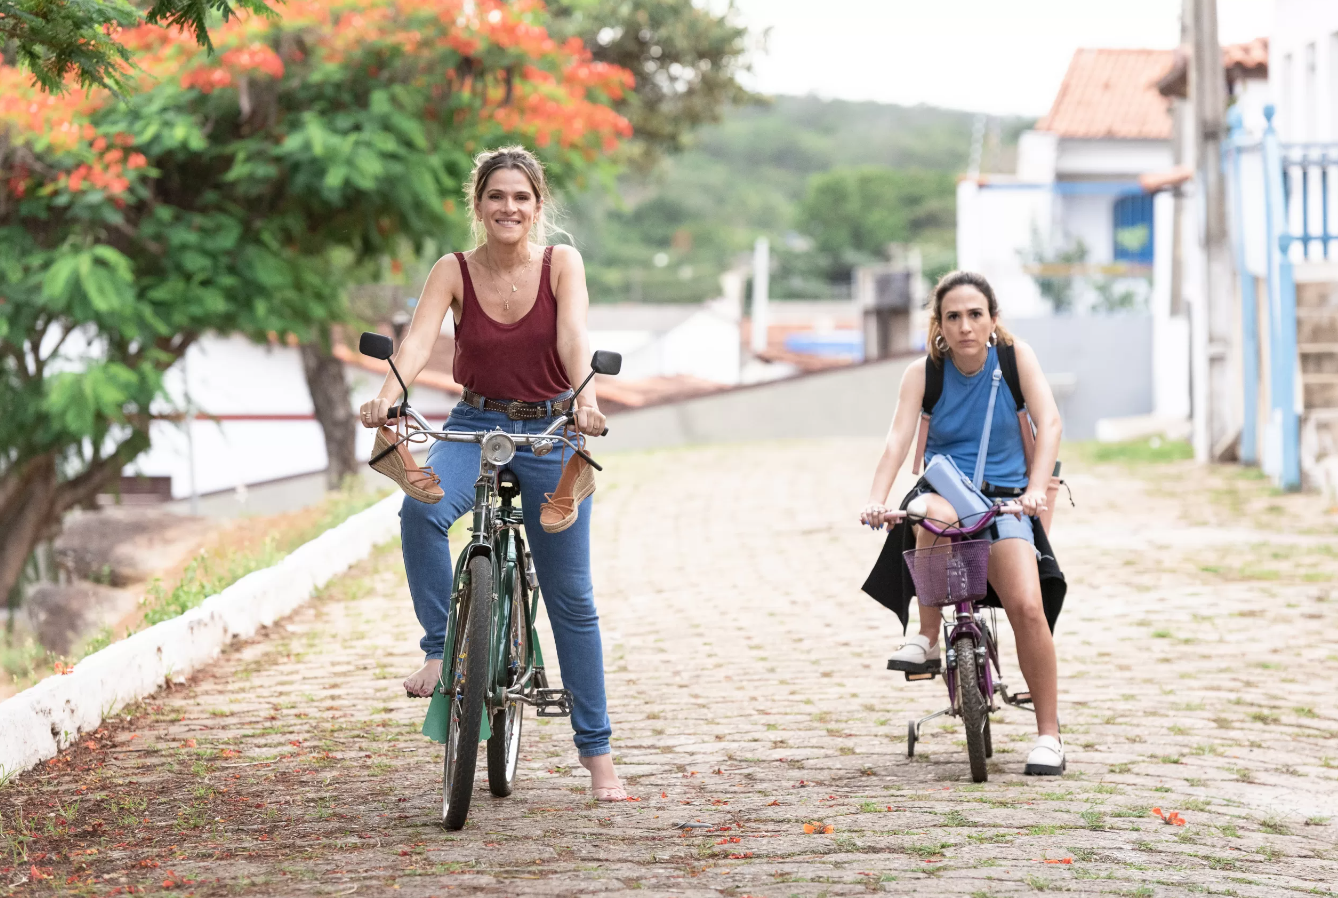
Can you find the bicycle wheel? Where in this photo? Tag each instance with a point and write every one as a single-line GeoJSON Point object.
{"type": "Point", "coordinates": [975, 709]}
{"type": "Point", "coordinates": [504, 743]}
{"type": "Point", "coordinates": [469, 674]}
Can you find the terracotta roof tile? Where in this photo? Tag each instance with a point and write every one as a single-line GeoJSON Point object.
{"type": "Point", "coordinates": [1251, 57]}
{"type": "Point", "coordinates": [1248, 60]}
{"type": "Point", "coordinates": [1112, 94]}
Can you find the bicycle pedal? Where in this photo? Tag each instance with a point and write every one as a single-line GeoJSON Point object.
{"type": "Point", "coordinates": [928, 669]}
{"type": "Point", "coordinates": [927, 675]}
{"type": "Point", "coordinates": [552, 703]}
{"type": "Point", "coordinates": [1022, 698]}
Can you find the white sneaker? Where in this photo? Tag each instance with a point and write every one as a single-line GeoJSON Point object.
{"type": "Point", "coordinates": [1046, 758]}
{"type": "Point", "coordinates": [916, 656]}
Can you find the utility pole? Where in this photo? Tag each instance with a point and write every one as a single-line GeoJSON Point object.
{"type": "Point", "coordinates": [1207, 90]}
{"type": "Point", "coordinates": [761, 293]}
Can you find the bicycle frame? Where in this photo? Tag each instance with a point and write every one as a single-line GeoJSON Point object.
{"type": "Point", "coordinates": [969, 620]}
{"type": "Point", "coordinates": [495, 533]}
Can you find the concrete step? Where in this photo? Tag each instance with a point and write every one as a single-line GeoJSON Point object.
{"type": "Point", "coordinates": [1318, 358]}
{"type": "Point", "coordinates": [1319, 395]}
{"type": "Point", "coordinates": [1317, 294]}
{"type": "Point", "coordinates": [1316, 325]}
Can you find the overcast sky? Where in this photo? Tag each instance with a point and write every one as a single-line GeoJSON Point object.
{"type": "Point", "coordinates": [997, 56]}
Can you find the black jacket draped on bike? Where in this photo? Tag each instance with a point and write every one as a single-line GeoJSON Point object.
{"type": "Point", "coordinates": [890, 584]}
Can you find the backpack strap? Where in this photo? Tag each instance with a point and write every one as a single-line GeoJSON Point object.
{"type": "Point", "coordinates": [933, 385]}
{"type": "Point", "coordinates": [1008, 363]}
{"type": "Point", "coordinates": [933, 390]}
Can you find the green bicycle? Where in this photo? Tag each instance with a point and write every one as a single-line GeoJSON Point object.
{"type": "Point", "coordinates": [494, 665]}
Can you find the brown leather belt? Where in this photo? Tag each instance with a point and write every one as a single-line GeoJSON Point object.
{"type": "Point", "coordinates": [519, 411]}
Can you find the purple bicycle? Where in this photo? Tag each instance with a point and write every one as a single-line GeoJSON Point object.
{"type": "Point", "coordinates": [955, 573]}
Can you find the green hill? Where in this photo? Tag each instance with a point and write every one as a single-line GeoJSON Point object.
{"type": "Point", "coordinates": [749, 175]}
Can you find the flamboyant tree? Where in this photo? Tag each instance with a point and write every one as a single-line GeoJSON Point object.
{"type": "Point", "coordinates": [61, 42]}
{"type": "Point", "coordinates": [238, 192]}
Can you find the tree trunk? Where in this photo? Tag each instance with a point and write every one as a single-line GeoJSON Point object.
{"type": "Point", "coordinates": [33, 500]}
{"type": "Point", "coordinates": [334, 411]}
{"type": "Point", "coordinates": [25, 516]}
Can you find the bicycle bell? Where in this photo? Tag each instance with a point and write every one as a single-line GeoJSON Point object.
{"type": "Point", "coordinates": [498, 448]}
{"type": "Point", "coordinates": [541, 447]}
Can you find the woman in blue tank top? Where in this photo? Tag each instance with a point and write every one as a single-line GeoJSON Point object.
{"type": "Point", "coordinates": [964, 335]}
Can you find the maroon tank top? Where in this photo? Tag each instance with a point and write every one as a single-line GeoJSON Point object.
{"type": "Point", "coordinates": [510, 361]}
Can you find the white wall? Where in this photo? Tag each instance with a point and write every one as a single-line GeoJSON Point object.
{"type": "Point", "coordinates": [1170, 333]}
{"type": "Point", "coordinates": [1091, 218]}
{"type": "Point", "coordinates": [1303, 69]}
{"type": "Point", "coordinates": [265, 428]}
{"type": "Point", "coordinates": [1112, 158]}
{"type": "Point", "coordinates": [994, 223]}
{"type": "Point", "coordinates": [1037, 156]}
{"type": "Point", "coordinates": [701, 341]}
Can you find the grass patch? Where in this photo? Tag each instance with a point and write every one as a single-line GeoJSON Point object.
{"type": "Point", "coordinates": [1153, 450]}
{"type": "Point", "coordinates": [211, 572]}
{"type": "Point", "coordinates": [1275, 825]}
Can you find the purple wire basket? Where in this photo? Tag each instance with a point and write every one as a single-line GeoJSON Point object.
{"type": "Point", "coordinates": [950, 573]}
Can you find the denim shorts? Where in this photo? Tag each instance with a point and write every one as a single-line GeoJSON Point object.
{"type": "Point", "coordinates": [1009, 527]}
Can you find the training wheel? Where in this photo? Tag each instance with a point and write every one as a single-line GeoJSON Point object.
{"type": "Point", "coordinates": [910, 739]}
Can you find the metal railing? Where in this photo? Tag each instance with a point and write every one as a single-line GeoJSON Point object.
{"type": "Point", "coordinates": [1299, 187]}
{"type": "Point", "coordinates": [1307, 190]}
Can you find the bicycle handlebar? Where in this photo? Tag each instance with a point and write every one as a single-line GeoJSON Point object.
{"type": "Point", "coordinates": [986, 518]}
{"type": "Point", "coordinates": [536, 441]}
{"type": "Point", "coordinates": [396, 411]}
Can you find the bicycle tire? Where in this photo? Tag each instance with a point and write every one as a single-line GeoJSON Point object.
{"type": "Point", "coordinates": [507, 722]}
{"type": "Point", "coordinates": [975, 709]}
{"type": "Point", "coordinates": [989, 739]}
{"type": "Point", "coordinates": [469, 674]}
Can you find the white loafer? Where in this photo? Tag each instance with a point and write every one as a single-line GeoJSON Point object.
{"type": "Point", "coordinates": [1046, 758]}
{"type": "Point", "coordinates": [916, 656]}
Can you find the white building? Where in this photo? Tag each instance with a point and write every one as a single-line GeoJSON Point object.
{"type": "Point", "coordinates": [1303, 76]}
{"type": "Point", "coordinates": [1075, 216]}
{"type": "Point", "coordinates": [1076, 183]}
{"type": "Point", "coordinates": [253, 418]}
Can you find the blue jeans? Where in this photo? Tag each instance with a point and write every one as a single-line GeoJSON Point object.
{"type": "Point", "coordinates": [562, 561]}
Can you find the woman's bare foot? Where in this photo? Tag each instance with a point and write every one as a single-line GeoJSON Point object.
{"type": "Point", "coordinates": [604, 782]}
{"type": "Point", "coordinates": [423, 682]}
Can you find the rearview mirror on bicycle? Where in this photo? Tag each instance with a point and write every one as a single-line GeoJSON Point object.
{"type": "Point", "coordinates": [606, 362]}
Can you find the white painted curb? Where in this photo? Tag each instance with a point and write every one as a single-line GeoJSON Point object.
{"type": "Point", "coordinates": [38, 722]}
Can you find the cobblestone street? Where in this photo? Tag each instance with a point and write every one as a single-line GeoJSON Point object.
{"type": "Point", "coordinates": [748, 692]}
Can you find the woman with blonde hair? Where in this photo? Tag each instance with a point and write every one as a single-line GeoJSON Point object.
{"type": "Point", "coordinates": [954, 395]}
{"type": "Point", "coordinates": [519, 308]}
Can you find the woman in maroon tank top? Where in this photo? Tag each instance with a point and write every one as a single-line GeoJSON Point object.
{"type": "Point", "coordinates": [520, 337]}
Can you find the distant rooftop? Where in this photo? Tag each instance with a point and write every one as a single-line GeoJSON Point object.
{"type": "Point", "coordinates": [1240, 61]}
{"type": "Point", "coordinates": [1112, 94]}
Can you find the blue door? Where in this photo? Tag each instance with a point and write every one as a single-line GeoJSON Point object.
{"type": "Point", "coordinates": [1133, 229]}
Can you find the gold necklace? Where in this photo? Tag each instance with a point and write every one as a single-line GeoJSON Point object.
{"type": "Point", "coordinates": [492, 272]}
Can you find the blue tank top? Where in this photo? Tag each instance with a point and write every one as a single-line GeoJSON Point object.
{"type": "Point", "coordinates": [958, 419]}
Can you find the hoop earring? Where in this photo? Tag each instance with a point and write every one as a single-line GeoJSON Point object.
{"type": "Point", "coordinates": [994, 338]}
{"type": "Point", "coordinates": [941, 344]}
